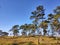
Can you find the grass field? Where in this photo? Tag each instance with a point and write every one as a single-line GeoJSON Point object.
{"type": "Point", "coordinates": [23, 40]}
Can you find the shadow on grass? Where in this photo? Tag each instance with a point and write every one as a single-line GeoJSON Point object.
{"type": "Point", "coordinates": [30, 43]}
{"type": "Point", "coordinates": [24, 43]}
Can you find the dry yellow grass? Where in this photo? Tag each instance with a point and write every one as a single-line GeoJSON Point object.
{"type": "Point", "coordinates": [42, 40]}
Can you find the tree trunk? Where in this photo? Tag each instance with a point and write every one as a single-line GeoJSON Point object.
{"type": "Point", "coordinates": [38, 40]}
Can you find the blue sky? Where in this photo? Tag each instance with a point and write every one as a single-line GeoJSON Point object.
{"type": "Point", "coordinates": [14, 12]}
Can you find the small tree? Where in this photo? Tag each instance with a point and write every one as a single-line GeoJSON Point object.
{"type": "Point", "coordinates": [50, 19]}
{"type": "Point", "coordinates": [0, 32]}
{"type": "Point", "coordinates": [4, 34]}
{"type": "Point", "coordinates": [44, 25]}
{"type": "Point", "coordinates": [15, 30]}
{"type": "Point", "coordinates": [24, 28]}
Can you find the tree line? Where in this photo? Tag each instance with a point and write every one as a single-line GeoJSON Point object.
{"type": "Point", "coordinates": [40, 20]}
